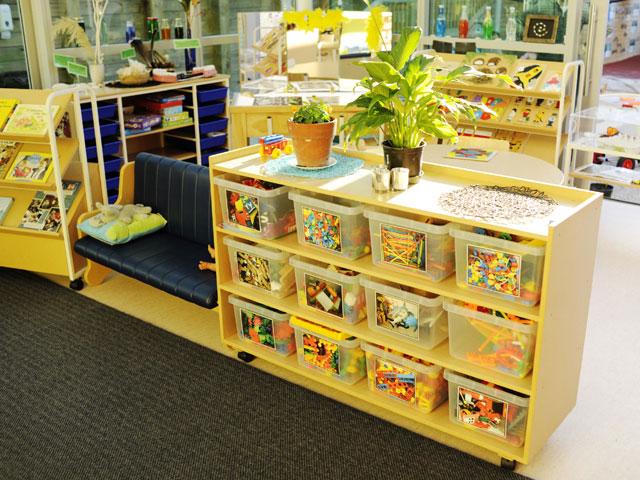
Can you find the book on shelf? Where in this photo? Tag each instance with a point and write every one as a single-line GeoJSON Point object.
{"type": "Point", "coordinates": [135, 131]}
{"type": "Point", "coordinates": [164, 98]}
{"type": "Point", "coordinates": [33, 167]}
{"type": "Point", "coordinates": [6, 109]}
{"type": "Point", "coordinates": [28, 119]}
{"type": "Point", "coordinates": [43, 213]}
{"type": "Point", "coordinates": [140, 121]}
{"type": "Point", "coordinates": [5, 205]}
{"type": "Point", "coordinates": [8, 151]}
{"type": "Point", "coordinates": [177, 123]}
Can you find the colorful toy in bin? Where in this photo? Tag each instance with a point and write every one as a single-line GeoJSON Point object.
{"type": "Point", "coordinates": [244, 210]}
{"type": "Point", "coordinates": [275, 145]}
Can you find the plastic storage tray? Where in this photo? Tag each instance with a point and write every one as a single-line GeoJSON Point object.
{"type": "Point", "coordinates": [211, 94]}
{"type": "Point", "coordinates": [206, 143]}
{"type": "Point", "coordinates": [107, 129]}
{"type": "Point", "coordinates": [263, 213]}
{"type": "Point", "coordinates": [210, 110]}
{"type": "Point", "coordinates": [490, 341]}
{"type": "Point", "coordinates": [494, 412]}
{"type": "Point", "coordinates": [333, 225]}
{"type": "Point", "coordinates": [113, 196]}
{"type": "Point", "coordinates": [263, 326]}
{"type": "Point", "coordinates": [112, 164]}
{"type": "Point", "coordinates": [408, 245]}
{"type": "Point", "coordinates": [261, 268]}
{"type": "Point", "coordinates": [394, 376]}
{"type": "Point", "coordinates": [501, 268]}
{"type": "Point", "coordinates": [213, 125]}
{"type": "Point", "coordinates": [107, 110]}
{"type": "Point", "coordinates": [108, 148]}
{"type": "Point", "coordinates": [335, 294]}
{"type": "Point", "coordinates": [207, 153]}
{"type": "Point", "coordinates": [405, 315]}
{"type": "Point", "coordinates": [113, 182]}
{"type": "Point", "coordinates": [329, 352]}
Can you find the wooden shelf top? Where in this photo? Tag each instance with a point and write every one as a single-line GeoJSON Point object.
{"type": "Point", "coordinates": [438, 419]}
{"type": "Point", "coordinates": [420, 199]}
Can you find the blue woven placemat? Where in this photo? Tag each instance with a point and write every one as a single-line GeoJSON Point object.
{"type": "Point", "coordinates": [285, 165]}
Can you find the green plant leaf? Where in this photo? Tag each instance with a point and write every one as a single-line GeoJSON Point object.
{"type": "Point", "coordinates": [385, 57]}
{"type": "Point", "coordinates": [381, 71]}
{"type": "Point", "coordinates": [406, 45]}
{"type": "Point", "coordinates": [456, 72]}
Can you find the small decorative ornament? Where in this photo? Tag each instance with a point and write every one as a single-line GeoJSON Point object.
{"type": "Point", "coordinates": [541, 28]}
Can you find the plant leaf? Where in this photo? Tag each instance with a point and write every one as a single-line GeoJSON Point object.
{"type": "Point", "coordinates": [407, 44]}
{"type": "Point", "coordinates": [381, 71]}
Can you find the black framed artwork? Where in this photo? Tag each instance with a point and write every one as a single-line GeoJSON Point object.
{"type": "Point", "coordinates": [541, 28]}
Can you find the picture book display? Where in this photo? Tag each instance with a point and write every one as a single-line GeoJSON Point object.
{"type": "Point", "coordinates": [33, 167]}
{"type": "Point", "coordinates": [6, 109]}
{"type": "Point", "coordinates": [29, 119]}
{"type": "Point", "coordinates": [5, 205]}
{"type": "Point", "coordinates": [469, 153]}
{"type": "Point", "coordinates": [8, 151]}
{"type": "Point", "coordinates": [43, 212]}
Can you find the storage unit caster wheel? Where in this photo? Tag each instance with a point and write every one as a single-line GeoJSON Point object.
{"type": "Point", "coordinates": [76, 284]}
{"type": "Point", "coordinates": [246, 357]}
{"type": "Point", "coordinates": [507, 464]}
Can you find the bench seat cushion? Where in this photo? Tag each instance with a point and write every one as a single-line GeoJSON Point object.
{"type": "Point", "coordinates": [162, 260]}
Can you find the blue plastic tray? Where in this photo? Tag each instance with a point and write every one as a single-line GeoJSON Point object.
{"type": "Point", "coordinates": [107, 110]}
{"type": "Point", "coordinates": [210, 110]}
{"type": "Point", "coordinates": [112, 183]}
{"type": "Point", "coordinates": [206, 143]}
{"type": "Point", "coordinates": [107, 129]}
{"type": "Point", "coordinates": [207, 153]}
{"type": "Point", "coordinates": [211, 94]}
{"type": "Point", "coordinates": [108, 148]}
{"type": "Point", "coordinates": [213, 125]}
{"type": "Point", "coordinates": [112, 164]}
{"type": "Point", "coordinates": [113, 196]}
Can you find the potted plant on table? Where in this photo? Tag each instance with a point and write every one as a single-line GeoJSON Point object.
{"type": "Point", "coordinates": [400, 98]}
{"type": "Point", "coordinates": [312, 131]}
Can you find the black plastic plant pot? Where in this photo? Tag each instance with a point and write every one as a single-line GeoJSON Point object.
{"type": "Point", "coordinates": [410, 158]}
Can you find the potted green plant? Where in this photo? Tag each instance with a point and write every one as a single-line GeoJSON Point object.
{"type": "Point", "coordinates": [400, 98]}
{"type": "Point", "coordinates": [312, 131]}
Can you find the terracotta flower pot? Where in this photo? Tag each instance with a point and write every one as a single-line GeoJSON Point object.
{"type": "Point", "coordinates": [410, 158]}
{"type": "Point", "coordinates": [312, 142]}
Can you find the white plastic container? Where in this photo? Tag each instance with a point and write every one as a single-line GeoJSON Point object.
{"type": "Point", "coordinates": [334, 225]}
{"type": "Point", "coordinates": [328, 352]}
{"type": "Point", "coordinates": [405, 315]}
{"type": "Point", "coordinates": [263, 326]}
{"type": "Point", "coordinates": [403, 244]}
{"type": "Point", "coordinates": [485, 409]}
{"type": "Point", "coordinates": [263, 213]}
{"type": "Point", "coordinates": [335, 294]}
{"type": "Point", "coordinates": [262, 268]}
{"type": "Point", "coordinates": [481, 263]}
{"type": "Point", "coordinates": [416, 385]}
{"type": "Point", "coordinates": [490, 341]}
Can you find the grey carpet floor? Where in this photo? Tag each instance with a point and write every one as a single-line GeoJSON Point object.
{"type": "Point", "coordinates": [88, 392]}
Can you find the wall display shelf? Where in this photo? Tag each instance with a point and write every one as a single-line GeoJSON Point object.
{"type": "Point", "coordinates": [204, 134]}
{"type": "Point", "coordinates": [37, 235]}
{"type": "Point", "coordinates": [623, 34]}
{"type": "Point", "coordinates": [559, 319]}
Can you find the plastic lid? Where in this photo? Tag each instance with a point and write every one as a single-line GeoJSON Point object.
{"type": "Point", "coordinates": [412, 297]}
{"type": "Point", "coordinates": [508, 245]}
{"type": "Point", "coordinates": [336, 205]}
{"type": "Point", "coordinates": [407, 223]}
{"type": "Point", "coordinates": [321, 270]}
{"type": "Point", "coordinates": [266, 252]}
{"type": "Point", "coordinates": [458, 309]}
{"type": "Point", "coordinates": [320, 330]}
{"type": "Point", "coordinates": [479, 387]}
{"type": "Point", "coordinates": [392, 357]}
{"type": "Point", "coordinates": [257, 308]}
{"type": "Point", "coordinates": [225, 181]}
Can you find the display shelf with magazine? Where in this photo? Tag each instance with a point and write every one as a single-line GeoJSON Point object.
{"type": "Point", "coordinates": [332, 348]}
{"type": "Point", "coordinates": [36, 170]}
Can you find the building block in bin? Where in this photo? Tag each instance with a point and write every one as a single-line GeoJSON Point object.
{"type": "Point", "coordinates": [107, 110]}
{"type": "Point", "coordinates": [401, 243]}
{"type": "Point", "coordinates": [328, 352]}
{"type": "Point", "coordinates": [490, 410]}
{"type": "Point", "coordinates": [107, 129]}
{"type": "Point", "coordinates": [256, 207]}
{"type": "Point", "coordinates": [108, 148]}
{"type": "Point", "coordinates": [334, 225]}
{"type": "Point", "coordinates": [261, 268]}
{"type": "Point", "coordinates": [333, 291]}
{"type": "Point", "coordinates": [211, 94]}
{"type": "Point", "coordinates": [416, 383]}
{"type": "Point", "coordinates": [263, 326]}
{"type": "Point", "coordinates": [491, 339]}
{"type": "Point", "coordinates": [405, 315]}
{"type": "Point", "coordinates": [210, 110]}
{"type": "Point", "coordinates": [213, 125]}
{"type": "Point", "coordinates": [509, 268]}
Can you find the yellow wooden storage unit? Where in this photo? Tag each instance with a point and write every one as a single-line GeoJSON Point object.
{"type": "Point", "coordinates": [569, 234]}
{"type": "Point", "coordinates": [35, 250]}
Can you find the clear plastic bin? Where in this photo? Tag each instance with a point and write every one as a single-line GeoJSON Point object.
{"type": "Point", "coordinates": [405, 315]}
{"type": "Point", "coordinates": [262, 268]}
{"type": "Point", "coordinates": [401, 243]}
{"type": "Point", "coordinates": [329, 291]}
{"type": "Point", "coordinates": [263, 326]}
{"type": "Point", "coordinates": [394, 376]}
{"type": "Point", "coordinates": [334, 225]}
{"type": "Point", "coordinates": [263, 213]}
{"type": "Point", "coordinates": [498, 413]}
{"type": "Point", "coordinates": [491, 341]}
{"type": "Point", "coordinates": [329, 352]}
{"type": "Point", "coordinates": [500, 268]}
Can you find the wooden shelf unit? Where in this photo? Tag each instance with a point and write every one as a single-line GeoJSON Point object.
{"type": "Point", "coordinates": [569, 234]}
